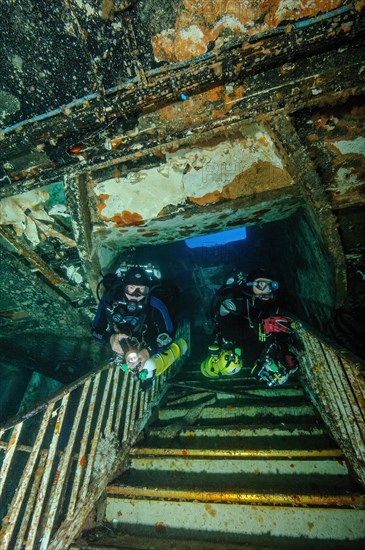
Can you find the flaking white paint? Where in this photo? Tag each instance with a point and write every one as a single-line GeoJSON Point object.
{"type": "Point", "coordinates": [187, 173]}
{"type": "Point", "coordinates": [351, 146]}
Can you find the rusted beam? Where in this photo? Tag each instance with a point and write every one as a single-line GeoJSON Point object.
{"type": "Point", "coordinates": [238, 61]}
{"type": "Point", "coordinates": [297, 89]}
{"type": "Point", "coordinates": [329, 78]}
{"type": "Point", "coordinates": [247, 55]}
{"type": "Point", "coordinates": [76, 193]}
{"type": "Point", "coordinates": [301, 168]}
{"type": "Point", "coordinates": [55, 280]}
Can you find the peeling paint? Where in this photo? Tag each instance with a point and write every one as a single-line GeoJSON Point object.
{"type": "Point", "coordinates": [23, 212]}
{"type": "Point", "coordinates": [350, 146]}
{"type": "Point", "coordinates": [204, 175]}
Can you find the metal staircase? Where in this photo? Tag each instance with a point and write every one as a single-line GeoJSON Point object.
{"type": "Point", "coordinates": [193, 463]}
{"type": "Point", "coordinates": [231, 463]}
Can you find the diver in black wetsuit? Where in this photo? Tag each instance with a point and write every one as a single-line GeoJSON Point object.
{"type": "Point", "coordinates": [249, 324]}
{"type": "Point", "coordinates": [129, 312]}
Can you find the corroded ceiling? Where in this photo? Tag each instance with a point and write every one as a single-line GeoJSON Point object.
{"type": "Point", "coordinates": [145, 122]}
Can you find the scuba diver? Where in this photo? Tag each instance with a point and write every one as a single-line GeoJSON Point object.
{"type": "Point", "coordinates": [136, 323]}
{"type": "Point", "coordinates": [226, 310]}
{"type": "Point", "coordinates": [249, 324]}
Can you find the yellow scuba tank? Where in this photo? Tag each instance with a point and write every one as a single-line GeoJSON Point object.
{"type": "Point", "coordinates": [210, 365]}
{"type": "Point", "coordinates": [221, 362]}
{"type": "Point", "coordinates": [162, 360]}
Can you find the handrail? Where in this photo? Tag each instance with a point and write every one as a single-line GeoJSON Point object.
{"type": "Point", "coordinates": [336, 385]}
{"type": "Point", "coordinates": [57, 459]}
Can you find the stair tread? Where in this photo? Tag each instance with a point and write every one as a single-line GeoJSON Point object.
{"type": "Point", "coordinates": [242, 452]}
{"type": "Point", "coordinates": [226, 399]}
{"type": "Point", "coordinates": [102, 538]}
{"type": "Point", "coordinates": [186, 441]}
{"type": "Point", "coordinates": [294, 496]}
{"type": "Point", "coordinates": [264, 428]}
{"type": "Point", "coordinates": [240, 420]}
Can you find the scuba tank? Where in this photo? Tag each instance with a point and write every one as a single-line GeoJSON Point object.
{"type": "Point", "coordinates": [225, 362]}
{"type": "Point", "coordinates": [162, 360]}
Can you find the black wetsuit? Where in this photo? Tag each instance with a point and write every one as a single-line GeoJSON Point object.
{"type": "Point", "coordinates": [145, 323]}
{"type": "Point", "coordinates": [243, 325]}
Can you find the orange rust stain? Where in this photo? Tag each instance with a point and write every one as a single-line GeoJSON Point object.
{"type": "Point", "coordinates": [117, 174]}
{"type": "Point", "coordinates": [160, 153]}
{"type": "Point", "coordinates": [260, 177]}
{"type": "Point", "coordinates": [292, 465]}
{"type": "Point", "coordinates": [201, 22]}
{"type": "Point", "coordinates": [186, 47]}
{"type": "Point", "coordinates": [163, 47]}
{"type": "Point", "coordinates": [209, 198]}
{"type": "Point", "coordinates": [172, 149]}
{"type": "Point", "coordinates": [215, 94]}
{"type": "Point", "coordinates": [160, 527]}
{"type": "Point", "coordinates": [263, 141]}
{"type": "Point", "coordinates": [192, 112]}
{"type": "Point", "coordinates": [102, 205]}
{"type": "Point", "coordinates": [82, 461]}
{"type": "Point", "coordinates": [166, 113]}
{"type": "Point", "coordinates": [209, 508]}
{"type": "Point", "coordinates": [313, 137]}
{"type": "Point", "coordinates": [127, 218]}
{"type": "Point", "coordinates": [184, 452]}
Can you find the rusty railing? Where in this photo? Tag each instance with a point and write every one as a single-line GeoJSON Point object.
{"type": "Point", "coordinates": [57, 459]}
{"type": "Point", "coordinates": [336, 385]}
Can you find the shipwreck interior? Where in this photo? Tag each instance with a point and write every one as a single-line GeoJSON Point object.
{"type": "Point", "coordinates": [128, 128]}
{"type": "Point", "coordinates": [289, 248]}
